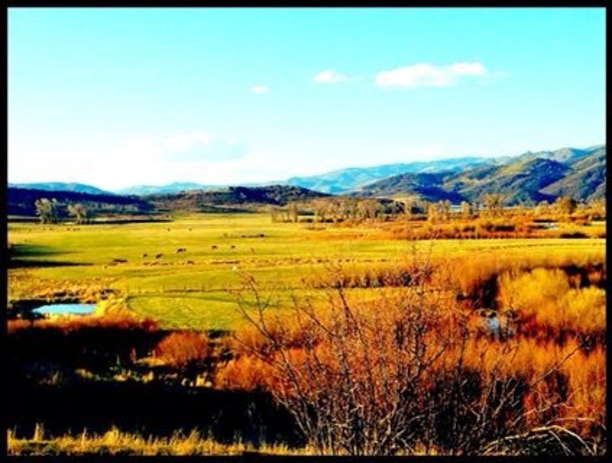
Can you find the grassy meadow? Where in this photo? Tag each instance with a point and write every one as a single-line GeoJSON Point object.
{"type": "Point", "coordinates": [192, 288]}
{"type": "Point", "coordinates": [357, 312]}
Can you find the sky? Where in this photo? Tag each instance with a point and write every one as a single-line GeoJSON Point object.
{"type": "Point", "coordinates": [116, 97]}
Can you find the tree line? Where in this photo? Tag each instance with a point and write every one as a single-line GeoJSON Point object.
{"type": "Point", "coordinates": [49, 211]}
{"type": "Point", "coordinates": [342, 209]}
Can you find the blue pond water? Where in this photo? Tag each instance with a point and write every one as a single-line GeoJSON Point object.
{"type": "Point", "coordinates": [65, 309]}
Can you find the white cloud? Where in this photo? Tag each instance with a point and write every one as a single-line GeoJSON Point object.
{"type": "Point", "coordinates": [329, 76]}
{"type": "Point", "coordinates": [260, 89]}
{"type": "Point", "coordinates": [184, 147]}
{"type": "Point", "coordinates": [429, 75]}
{"type": "Point", "coordinates": [186, 140]}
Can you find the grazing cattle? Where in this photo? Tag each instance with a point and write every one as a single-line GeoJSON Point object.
{"type": "Point", "coordinates": [189, 229]}
{"type": "Point", "coordinates": [145, 255]}
{"type": "Point", "coordinates": [214, 246]}
{"type": "Point", "coordinates": [181, 250]}
{"type": "Point", "coordinates": [157, 256]}
{"type": "Point", "coordinates": [119, 261]}
{"type": "Point", "coordinates": [189, 262]}
{"type": "Point", "coordinates": [232, 247]}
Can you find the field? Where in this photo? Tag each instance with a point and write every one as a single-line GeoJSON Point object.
{"type": "Point", "coordinates": [191, 289]}
{"type": "Point", "coordinates": [340, 291]}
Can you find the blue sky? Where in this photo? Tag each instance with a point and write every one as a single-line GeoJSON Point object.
{"type": "Point", "coordinates": [116, 97]}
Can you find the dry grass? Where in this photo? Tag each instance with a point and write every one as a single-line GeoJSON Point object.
{"type": "Point", "coordinates": [548, 300]}
{"type": "Point", "coordinates": [540, 380]}
{"type": "Point", "coordinates": [115, 442]}
{"type": "Point", "coordinates": [558, 358]}
{"type": "Point", "coordinates": [68, 324]}
{"type": "Point", "coordinates": [470, 274]}
{"type": "Point", "coordinates": [110, 314]}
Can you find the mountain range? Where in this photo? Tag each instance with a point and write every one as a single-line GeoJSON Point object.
{"type": "Point", "coordinates": [353, 178]}
{"type": "Point", "coordinates": [61, 186]}
{"type": "Point", "coordinates": [529, 177]}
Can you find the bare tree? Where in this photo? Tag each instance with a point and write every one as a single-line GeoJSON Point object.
{"type": "Point", "coordinates": [352, 386]}
{"type": "Point", "coordinates": [79, 211]}
{"type": "Point", "coordinates": [46, 210]}
{"type": "Point", "coordinates": [403, 374]}
{"type": "Point", "coordinates": [494, 203]}
{"type": "Point", "coordinates": [565, 206]}
{"type": "Point", "coordinates": [467, 210]}
{"type": "Point", "coordinates": [368, 209]}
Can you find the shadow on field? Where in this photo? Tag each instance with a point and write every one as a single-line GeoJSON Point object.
{"type": "Point", "coordinates": [33, 250]}
{"type": "Point", "coordinates": [31, 255]}
{"type": "Point", "coordinates": [149, 409]}
{"type": "Point", "coordinates": [30, 263]}
{"type": "Point", "coordinates": [45, 388]}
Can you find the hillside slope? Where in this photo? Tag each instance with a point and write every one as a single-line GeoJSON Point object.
{"type": "Point", "coordinates": [579, 174]}
{"type": "Point", "coordinates": [199, 200]}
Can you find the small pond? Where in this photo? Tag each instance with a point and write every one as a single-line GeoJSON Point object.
{"type": "Point", "coordinates": [65, 309]}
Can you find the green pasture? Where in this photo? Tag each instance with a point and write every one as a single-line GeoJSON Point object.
{"type": "Point", "coordinates": [195, 288]}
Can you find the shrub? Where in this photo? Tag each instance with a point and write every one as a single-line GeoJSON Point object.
{"type": "Point", "coordinates": [401, 372]}
{"type": "Point", "coordinates": [245, 372]}
{"type": "Point", "coordinates": [182, 349]}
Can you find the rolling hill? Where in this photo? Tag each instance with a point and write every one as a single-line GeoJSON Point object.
{"type": "Point", "coordinates": [201, 200]}
{"type": "Point", "coordinates": [580, 174]}
{"type": "Point", "coordinates": [21, 202]}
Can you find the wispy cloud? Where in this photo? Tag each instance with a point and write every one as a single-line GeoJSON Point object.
{"type": "Point", "coordinates": [429, 75]}
{"type": "Point", "coordinates": [186, 140]}
{"type": "Point", "coordinates": [260, 89]}
{"type": "Point", "coordinates": [185, 147]}
{"type": "Point", "coordinates": [329, 76]}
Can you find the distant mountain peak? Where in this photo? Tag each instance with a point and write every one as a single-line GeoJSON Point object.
{"type": "Point", "coordinates": [61, 186]}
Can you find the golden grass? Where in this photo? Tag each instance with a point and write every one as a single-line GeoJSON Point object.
{"type": "Point", "coordinates": [546, 295]}
{"type": "Point", "coordinates": [116, 318]}
{"type": "Point", "coordinates": [115, 442]}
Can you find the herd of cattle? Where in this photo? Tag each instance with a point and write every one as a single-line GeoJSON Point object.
{"type": "Point", "coordinates": [159, 255]}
